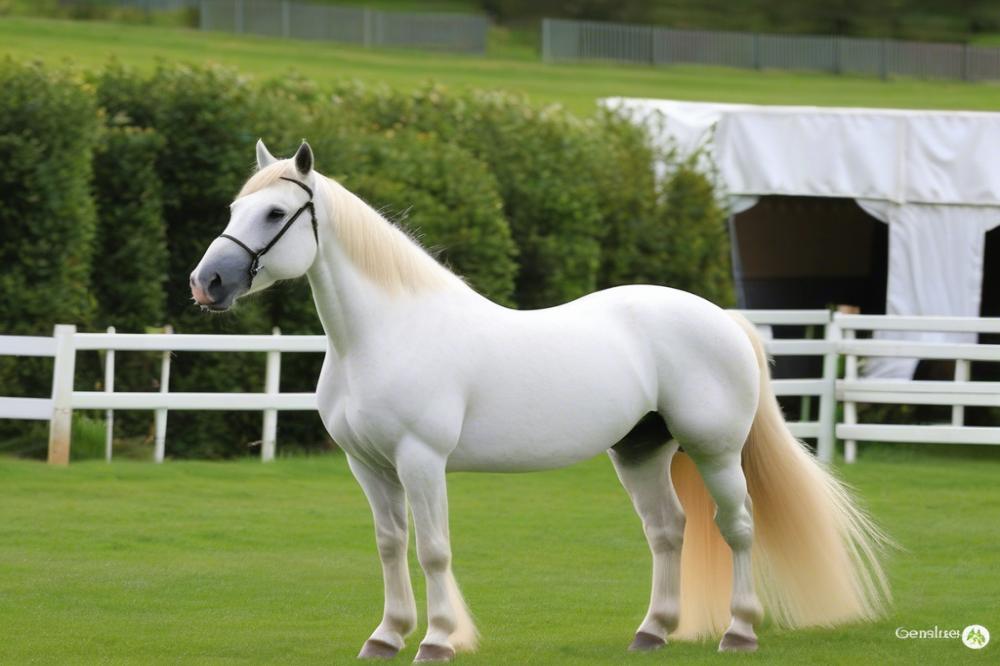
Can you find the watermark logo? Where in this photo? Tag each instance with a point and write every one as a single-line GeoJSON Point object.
{"type": "Point", "coordinates": [975, 636]}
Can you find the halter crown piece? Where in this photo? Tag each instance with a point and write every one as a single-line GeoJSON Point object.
{"type": "Point", "coordinates": [256, 255]}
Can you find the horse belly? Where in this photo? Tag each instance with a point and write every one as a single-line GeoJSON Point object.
{"type": "Point", "coordinates": [562, 405]}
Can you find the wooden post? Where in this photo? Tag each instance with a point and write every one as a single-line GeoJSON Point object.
{"type": "Point", "coordinates": [109, 387]}
{"type": "Point", "coordinates": [828, 401]}
{"type": "Point", "coordinates": [850, 408]}
{"type": "Point", "coordinates": [272, 386]}
{"type": "Point", "coordinates": [161, 414]}
{"type": "Point", "coordinates": [61, 423]}
{"type": "Point", "coordinates": [961, 375]}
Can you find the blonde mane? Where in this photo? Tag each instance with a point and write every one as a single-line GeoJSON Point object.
{"type": "Point", "coordinates": [380, 250]}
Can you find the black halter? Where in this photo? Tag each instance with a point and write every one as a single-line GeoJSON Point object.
{"type": "Point", "coordinates": [255, 256]}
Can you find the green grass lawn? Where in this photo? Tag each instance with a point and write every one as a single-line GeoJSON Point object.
{"type": "Point", "coordinates": [196, 562]}
{"type": "Point", "coordinates": [91, 44]}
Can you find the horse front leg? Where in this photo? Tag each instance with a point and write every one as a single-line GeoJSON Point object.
{"type": "Point", "coordinates": [449, 627]}
{"type": "Point", "coordinates": [388, 501]}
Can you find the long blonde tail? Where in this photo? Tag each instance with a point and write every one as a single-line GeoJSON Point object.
{"type": "Point", "coordinates": [816, 554]}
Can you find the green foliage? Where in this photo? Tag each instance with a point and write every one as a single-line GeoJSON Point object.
{"type": "Point", "coordinates": [940, 20]}
{"type": "Point", "coordinates": [48, 126]}
{"type": "Point", "coordinates": [626, 189]}
{"type": "Point", "coordinates": [88, 435]}
{"type": "Point", "coordinates": [593, 10]}
{"type": "Point", "coordinates": [131, 239]}
{"type": "Point", "coordinates": [100, 10]}
{"type": "Point", "coordinates": [686, 244]}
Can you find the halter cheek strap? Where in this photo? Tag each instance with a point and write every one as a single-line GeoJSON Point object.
{"type": "Point", "coordinates": [255, 255]}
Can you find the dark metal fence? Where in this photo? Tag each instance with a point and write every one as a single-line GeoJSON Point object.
{"type": "Point", "coordinates": [566, 40]}
{"type": "Point", "coordinates": [354, 25]}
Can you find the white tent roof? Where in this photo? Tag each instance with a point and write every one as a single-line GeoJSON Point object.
{"type": "Point", "coordinates": [901, 156]}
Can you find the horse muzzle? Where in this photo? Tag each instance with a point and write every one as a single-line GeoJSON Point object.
{"type": "Point", "coordinates": [218, 281]}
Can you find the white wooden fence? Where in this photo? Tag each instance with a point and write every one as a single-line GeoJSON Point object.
{"type": "Point", "coordinates": [959, 394]}
{"type": "Point", "coordinates": [827, 336]}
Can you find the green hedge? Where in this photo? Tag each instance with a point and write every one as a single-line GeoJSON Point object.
{"type": "Point", "coordinates": [48, 128]}
{"type": "Point", "coordinates": [687, 245]}
{"type": "Point", "coordinates": [131, 244]}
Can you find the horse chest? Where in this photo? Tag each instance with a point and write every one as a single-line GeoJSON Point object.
{"type": "Point", "coordinates": [375, 409]}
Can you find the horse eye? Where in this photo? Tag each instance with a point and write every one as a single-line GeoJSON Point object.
{"type": "Point", "coordinates": [275, 215]}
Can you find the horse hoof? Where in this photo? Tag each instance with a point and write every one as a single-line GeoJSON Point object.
{"type": "Point", "coordinates": [375, 649]}
{"type": "Point", "coordinates": [733, 642]}
{"type": "Point", "coordinates": [646, 642]}
{"type": "Point", "coordinates": [428, 652]}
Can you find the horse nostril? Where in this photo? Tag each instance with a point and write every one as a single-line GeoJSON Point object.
{"type": "Point", "coordinates": [216, 281]}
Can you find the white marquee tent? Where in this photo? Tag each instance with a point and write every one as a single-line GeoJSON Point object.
{"type": "Point", "coordinates": [932, 176]}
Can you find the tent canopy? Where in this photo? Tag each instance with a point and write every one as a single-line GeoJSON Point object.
{"type": "Point", "coordinates": [932, 176]}
{"type": "Point", "coordinates": [899, 156]}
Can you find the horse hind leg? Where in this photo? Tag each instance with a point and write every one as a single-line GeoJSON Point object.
{"type": "Point", "coordinates": [726, 483]}
{"type": "Point", "coordinates": [644, 471]}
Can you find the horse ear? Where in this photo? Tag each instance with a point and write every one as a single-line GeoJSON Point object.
{"type": "Point", "coordinates": [264, 157]}
{"type": "Point", "coordinates": [304, 159]}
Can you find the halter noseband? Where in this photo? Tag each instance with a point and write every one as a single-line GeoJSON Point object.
{"type": "Point", "coordinates": [256, 255]}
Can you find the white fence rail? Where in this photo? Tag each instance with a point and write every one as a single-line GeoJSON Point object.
{"type": "Point", "coordinates": [827, 336]}
{"type": "Point", "coordinates": [959, 393]}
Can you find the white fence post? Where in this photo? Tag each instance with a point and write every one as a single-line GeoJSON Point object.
{"type": "Point", "coordinates": [272, 385]}
{"type": "Point", "coordinates": [60, 426]}
{"type": "Point", "coordinates": [109, 387]}
{"type": "Point", "coordinates": [828, 401]}
{"type": "Point", "coordinates": [805, 401]}
{"type": "Point", "coordinates": [286, 19]}
{"type": "Point", "coordinates": [961, 375]}
{"type": "Point", "coordinates": [161, 414]}
{"type": "Point", "coordinates": [850, 407]}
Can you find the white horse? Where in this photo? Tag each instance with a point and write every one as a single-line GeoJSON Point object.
{"type": "Point", "coordinates": [423, 376]}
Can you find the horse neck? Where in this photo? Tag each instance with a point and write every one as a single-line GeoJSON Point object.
{"type": "Point", "coordinates": [348, 301]}
{"type": "Point", "coordinates": [339, 292]}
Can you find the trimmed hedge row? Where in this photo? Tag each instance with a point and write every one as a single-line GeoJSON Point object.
{"type": "Point", "coordinates": [130, 273]}
{"type": "Point", "coordinates": [533, 206]}
{"type": "Point", "coordinates": [48, 128]}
